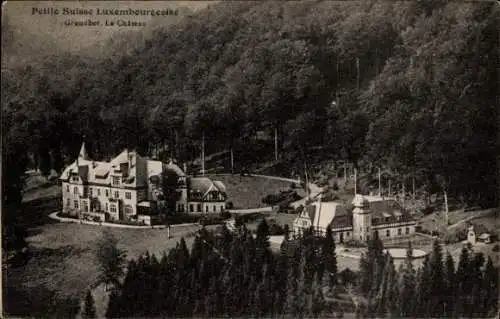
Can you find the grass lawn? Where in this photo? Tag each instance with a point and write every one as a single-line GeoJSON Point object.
{"type": "Point", "coordinates": [63, 262]}
{"type": "Point", "coordinates": [248, 191]}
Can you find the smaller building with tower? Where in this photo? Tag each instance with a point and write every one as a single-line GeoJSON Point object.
{"type": "Point", "coordinates": [367, 216]}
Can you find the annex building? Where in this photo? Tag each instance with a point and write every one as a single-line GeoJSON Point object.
{"type": "Point", "coordinates": [369, 215]}
{"type": "Point", "coordinates": [130, 187]}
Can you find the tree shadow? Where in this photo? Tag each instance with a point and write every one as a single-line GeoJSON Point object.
{"type": "Point", "coordinates": [38, 302]}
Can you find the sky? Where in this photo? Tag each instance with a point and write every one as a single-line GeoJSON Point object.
{"type": "Point", "coordinates": [30, 34]}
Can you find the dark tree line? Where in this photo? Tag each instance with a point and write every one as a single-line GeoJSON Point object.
{"type": "Point", "coordinates": [438, 289]}
{"type": "Point", "coordinates": [236, 274]}
{"type": "Point", "coordinates": [414, 85]}
{"type": "Point", "coordinates": [229, 274]}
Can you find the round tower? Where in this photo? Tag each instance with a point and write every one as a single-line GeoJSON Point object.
{"type": "Point", "coordinates": [361, 218]}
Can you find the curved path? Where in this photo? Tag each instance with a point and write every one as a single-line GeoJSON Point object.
{"type": "Point", "coordinates": [86, 222]}
{"type": "Point", "coordinates": [314, 191]}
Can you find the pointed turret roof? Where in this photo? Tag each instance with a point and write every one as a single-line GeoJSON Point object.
{"type": "Point", "coordinates": [83, 152]}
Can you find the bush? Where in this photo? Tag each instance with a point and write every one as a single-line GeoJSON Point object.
{"type": "Point", "coordinates": [225, 214]}
{"type": "Point", "coordinates": [275, 229]}
{"type": "Point", "coordinates": [181, 219]}
{"type": "Point", "coordinates": [229, 205]}
{"type": "Point", "coordinates": [428, 210]}
{"type": "Point", "coordinates": [496, 248]}
{"type": "Point", "coordinates": [335, 186]}
{"type": "Point", "coordinates": [211, 220]}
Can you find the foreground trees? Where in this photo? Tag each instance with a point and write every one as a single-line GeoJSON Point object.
{"type": "Point", "coordinates": [433, 291]}
{"type": "Point", "coordinates": [236, 274]}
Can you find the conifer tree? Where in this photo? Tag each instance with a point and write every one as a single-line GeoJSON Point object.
{"type": "Point", "coordinates": [436, 291]}
{"type": "Point", "coordinates": [423, 289]}
{"type": "Point", "coordinates": [291, 288]}
{"type": "Point", "coordinates": [462, 281]}
{"type": "Point", "coordinates": [111, 260]}
{"type": "Point", "coordinates": [114, 305]}
{"type": "Point", "coordinates": [89, 310]}
{"type": "Point", "coordinates": [328, 259]}
{"type": "Point", "coordinates": [450, 285]}
{"type": "Point", "coordinates": [406, 285]}
{"type": "Point", "coordinates": [490, 290]}
{"type": "Point", "coordinates": [474, 301]}
{"type": "Point", "coordinates": [317, 298]}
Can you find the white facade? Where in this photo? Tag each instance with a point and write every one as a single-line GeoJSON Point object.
{"type": "Point", "coordinates": [118, 188]}
{"type": "Point", "coordinates": [369, 216]}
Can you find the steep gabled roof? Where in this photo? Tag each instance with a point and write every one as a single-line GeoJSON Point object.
{"type": "Point", "coordinates": [200, 184]}
{"type": "Point", "coordinates": [323, 214]}
{"type": "Point", "coordinates": [220, 186]}
{"type": "Point", "coordinates": [385, 211]}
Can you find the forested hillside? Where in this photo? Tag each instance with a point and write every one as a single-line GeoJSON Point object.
{"type": "Point", "coordinates": [410, 86]}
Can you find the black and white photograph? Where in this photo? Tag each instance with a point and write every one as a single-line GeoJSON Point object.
{"type": "Point", "coordinates": [250, 159]}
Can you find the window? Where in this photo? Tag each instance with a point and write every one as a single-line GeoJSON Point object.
{"type": "Point", "coordinates": [399, 231]}
{"type": "Point", "coordinates": [304, 223]}
{"type": "Point", "coordinates": [107, 193]}
{"type": "Point", "coordinates": [98, 192]}
{"type": "Point", "coordinates": [75, 190]}
{"type": "Point", "coordinates": [128, 195]}
{"type": "Point", "coordinates": [67, 202]}
{"type": "Point", "coordinates": [112, 208]}
{"type": "Point", "coordinates": [191, 208]}
{"type": "Point", "coordinates": [376, 232]}
{"type": "Point", "coordinates": [85, 207]}
{"type": "Point", "coordinates": [199, 208]}
{"type": "Point", "coordinates": [116, 180]}
{"type": "Point", "coordinates": [67, 188]}
{"type": "Point", "coordinates": [215, 208]}
{"type": "Point", "coordinates": [76, 204]}
{"type": "Point", "coordinates": [106, 206]}
{"type": "Point", "coordinates": [90, 192]}
{"type": "Point", "coordinates": [206, 208]}
{"type": "Point", "coordinates": [388, 233]}
{"type": "Point", "coordinates": [348, 234]}
{"type": "Point", "coordinates": [117, 194]}
{"type": "Point", "coordinates": [387, 219]}
{"type": "Point", "coordinates": [407, 230]}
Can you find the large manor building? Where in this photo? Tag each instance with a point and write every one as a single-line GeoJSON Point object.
{"type": "Point", "coordinates": [369, 215]}
{"type": "Point", "coordinates": [130, 187]}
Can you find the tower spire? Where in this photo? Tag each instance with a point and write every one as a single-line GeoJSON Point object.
{"type": "Point", "coordinates": [83, 152]}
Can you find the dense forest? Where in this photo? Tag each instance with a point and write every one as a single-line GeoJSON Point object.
{"type": "Point", "coordinates": [236, 274]}
{"type": "Point", "coordinates": [408, 86]}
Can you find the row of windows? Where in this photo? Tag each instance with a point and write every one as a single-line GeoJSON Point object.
{"type": "Point", "coordinates": [386, 219]}
{"type": "Point", "coordinates": [128, 195]}
{"type": "Point", "coordinates": [180, 208]}
{"type": "Point", "coordinates": [400, 231]}
{"type": "Point", "coordinates": [112, 207]}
